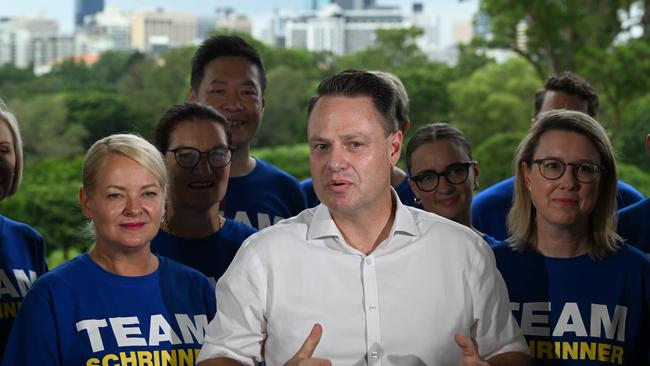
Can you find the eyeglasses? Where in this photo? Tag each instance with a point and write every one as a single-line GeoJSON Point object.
{"type": "Point", "coordinates": [189, 157]}
{"type": "Point", "coordinates": [429, 180]}
{"type": "Point", "coordinates": [553, 169]}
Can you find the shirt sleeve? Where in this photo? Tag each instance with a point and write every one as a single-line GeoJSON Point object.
{"type": "Point", "coordinates": [494, 328]}
{"type": "Point", "coordinates": [238, 330]}
{"type": "Point", "coordinates": [34, 338]}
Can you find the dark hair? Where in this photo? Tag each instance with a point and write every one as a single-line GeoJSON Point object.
{"type": "Point", "coordinates": [187, 111]}
{"type": "Point", "coordinates": [222, 46]}
{"type": "Point", "coordinates": [401, 97]}
{"type": "Point", "coordinates": [436, 132]}
{"type": "Point", "coordinates": [569, 83]}
{"type": "Point", "coordinates": [357, 83]}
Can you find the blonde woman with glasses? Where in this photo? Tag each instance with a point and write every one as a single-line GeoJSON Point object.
{"type": "Point", "coordinates": [581, 296]}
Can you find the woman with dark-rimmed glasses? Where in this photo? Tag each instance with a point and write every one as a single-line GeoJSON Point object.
{"type": "Point", "coordinates": [443, 174]}
{"type": "Point", "coordinates": [581, 296]}
{"type": "Point", "coordinates": [195, 141]}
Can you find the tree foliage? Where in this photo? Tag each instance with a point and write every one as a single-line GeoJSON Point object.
{"type": "Point", "coordinates": [494, 99]}
{"type": "Point", "coordinates": [556, 32]}
{"type": "Point", "coordinates": [48, 201]}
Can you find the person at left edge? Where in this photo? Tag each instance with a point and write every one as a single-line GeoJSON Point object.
{"type": "Point", "coordinates": [118, 303]}
{"type": "Point", "coordinates": [195, 141]}
{"type": "Point", "coordinates": [22, 249]}
{"type": "Point", "coordinates": [228, 74]}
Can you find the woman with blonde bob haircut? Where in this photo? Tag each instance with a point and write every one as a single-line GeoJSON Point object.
{"type": "Point", "coordinates": [568, 274]}
{"type": "Point", "coordinates": [119, 302]}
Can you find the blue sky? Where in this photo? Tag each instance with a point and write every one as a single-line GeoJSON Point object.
{"type": "Point", "coordinates": [260, 11]}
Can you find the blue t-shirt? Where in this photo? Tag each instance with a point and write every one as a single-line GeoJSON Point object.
{"type": "Point", "coordinates": [210, 255]}
{"type": "Point", "coordinates": [492, 242]}
{"type": "Point", "coordinates": [263, 197]}
{"type": "Point", "coordinates": [634, 225]}
{"type": "Point", "coordinates": [81, 314]}
{"type": "Point", "coordinates": [580, 311]}
{"type": "Point", "coordinates": [22, 260]}
{"type": "Point", "coordinates": [404, 192]}
{"type": "Point", "coordinates": [490, 207]}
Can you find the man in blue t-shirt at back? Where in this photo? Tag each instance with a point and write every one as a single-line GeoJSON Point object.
{"type": "Point", "coordinates": [228, 74]}
{"type": "Point", "coordinates": [634, 220]}
{"type": "Point", "coordinates": [564, 91]}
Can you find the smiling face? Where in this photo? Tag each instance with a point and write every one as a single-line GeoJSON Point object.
{"type": "Point", "coordinates": [452, 201]}
{"type": "Point", "coordinates": [125, 204]}
{"type": "Point", "coordinates": [564, 202]}
{"type": "Point", "coordinates": [202, 187]}
{"type": "Point", "coordinates": [231, 84]}
{"type": "Point", "coordinates": [7, 159]}
{"type": "Point", "coordinates": [350, 155]}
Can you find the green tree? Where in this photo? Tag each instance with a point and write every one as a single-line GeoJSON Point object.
{"type": "Point", "coordinates": [48, 201]}
{"type": "Point", "coordinates": [10, 79]}
{"type": "Point", "coordinates": [427, 87]}
{"type": "Point", "coordinates": [293, 159]}
{"type": "Point", "coordinates": [103, 114]}
{"type": "Point", "coordinates": [45, 128]}
{"type": "Point", "coordinates": [496, 98]}
{"type": "Point", "coordinates": [616, 82]}
{"type": "Point", "coordinates": [154, 85]}
{"type": "Point", "coordinates": [495, 157]}
{"type": "Point", "coordinates": [630, 142]}
{"type": "Point", "coordinates": [556, 32]}
{"type": "Point", "coordinates": [285, 114]}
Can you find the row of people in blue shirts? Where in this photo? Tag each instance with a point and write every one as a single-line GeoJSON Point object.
{"type": "Point", "coordinates": [228, 75]}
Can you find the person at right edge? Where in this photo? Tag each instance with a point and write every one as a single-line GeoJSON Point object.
{"type": "Point", "coordinates": [581, 296]}
{"type": "Point", "coordinates": [564, 91]}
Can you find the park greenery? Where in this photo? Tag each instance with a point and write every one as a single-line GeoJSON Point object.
{"type": "Point", "coordinates": [63, 112]}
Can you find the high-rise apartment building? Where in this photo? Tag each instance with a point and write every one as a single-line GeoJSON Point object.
{"type": "Point", "coordinates": [159, 30]}
{"type": "Point", "coordinates": [333, 28]}
{"type": "Point", "coordinates": [86, 7]}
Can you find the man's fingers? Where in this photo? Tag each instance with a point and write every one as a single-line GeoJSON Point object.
{"type": "Point", "coordinates": [308, 348]}
{"type": "Point", "coordinates": [467, 347]}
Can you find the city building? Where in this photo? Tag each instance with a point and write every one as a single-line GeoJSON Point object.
{"type": "Point", "coordinates": [85, 8]}
{"type": "Point", "coordinates": [26, 41]}
{"type": "Point", "coordinates": [107, 30]}
{"type": "Point", "coordinates": [462, 31]}
{"type": "Point", "coordinates": [333, 29]}
{"type": "Point", "coordinates": [163, 30]}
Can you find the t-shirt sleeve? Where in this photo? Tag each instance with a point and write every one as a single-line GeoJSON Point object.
{"type": "Point", "coordinates": [239, 327]}
{"type": "Point", "coordinates": [494, 328]}
{"type": "Point", "coordinates": [34, 338]}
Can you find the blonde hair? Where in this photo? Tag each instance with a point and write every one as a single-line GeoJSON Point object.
{"type": "Point", "coordinates": [12, 122]}
{"type": "Point", "coordinates": [602, 220]}
{"type": "Point", "coordinates": [129, 145]}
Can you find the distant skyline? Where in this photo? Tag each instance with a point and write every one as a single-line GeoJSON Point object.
{"type": "Point", "coordinates": [260, 12]}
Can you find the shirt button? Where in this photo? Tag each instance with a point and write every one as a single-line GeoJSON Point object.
{"type": "Point", "coordinates": [371, 307]}
{"type": "Point", "coordinates": [368, 261]}
{"type": "Point", "coordinates": [374, 355]}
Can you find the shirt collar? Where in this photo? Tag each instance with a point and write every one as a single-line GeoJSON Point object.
{"type": "Point", "coordinates": [322, 225]}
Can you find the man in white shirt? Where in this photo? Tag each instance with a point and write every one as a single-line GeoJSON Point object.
{"type": "Point", "coordinates": [378, 283]}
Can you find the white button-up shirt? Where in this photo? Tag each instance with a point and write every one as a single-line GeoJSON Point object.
{"type": "Point", "coordinates": [399, 305]}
